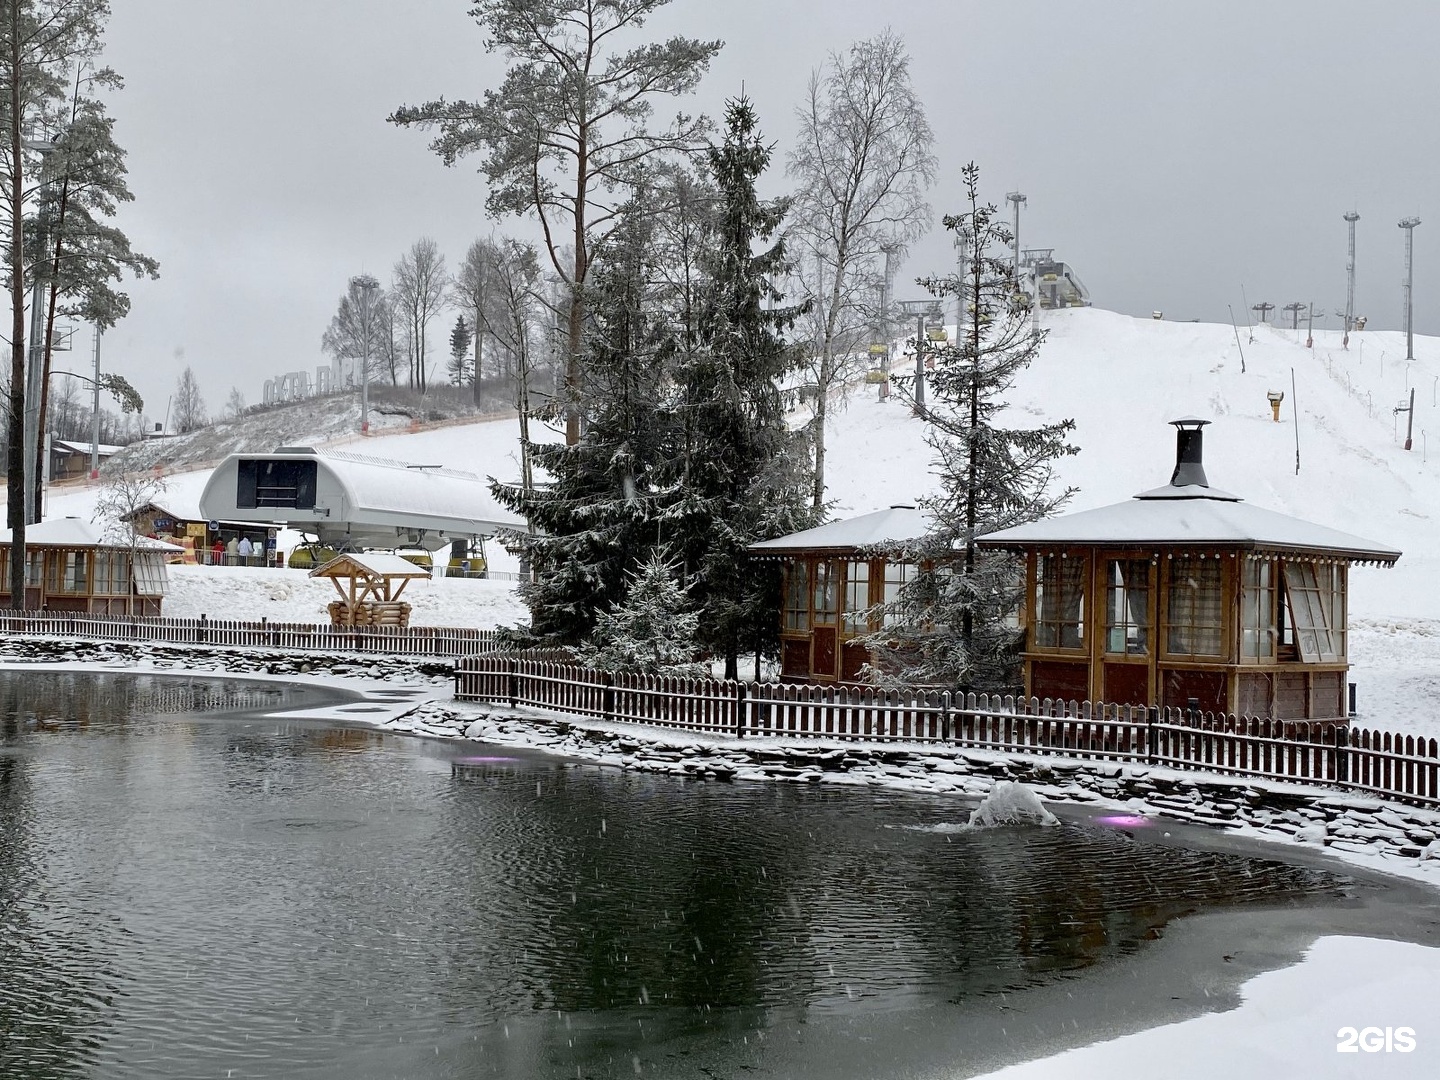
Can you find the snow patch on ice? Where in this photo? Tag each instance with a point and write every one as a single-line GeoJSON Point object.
{"type": "Point", "coordinates": [1011, 803]}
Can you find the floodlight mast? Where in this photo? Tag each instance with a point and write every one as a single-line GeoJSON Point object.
{"type": "Point", "coordinates": [1408, 224]}
{"type": "Point", "coordinates": [1016, 199]}
{"type": "Point", "coordinates": [1350, 220]}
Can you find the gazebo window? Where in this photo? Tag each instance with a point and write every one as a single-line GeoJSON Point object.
{"type": "Point", "coordinates": [827, 593]}
{"type": "Point", "coordinates": [1127, 606]}
{"type": "Point", "coordinates": [897, 574]}
{"type": "Point", "coordinates": [857, 596]}
{"type": "Point", "coordinates": [1313, 601]}
{"type": "Point", "coordinates": [1195, 611]}
{"type": "Point", "coordinates": [797, 596]}
{"type": "Point", "coordinates": [75, 575]}
{"type": "Point", "coordinates": [34, 569]}
{"type": "Point", "coordinates": [1257, 609]}
{"type": "Point", "coordinates": [1060, 603]}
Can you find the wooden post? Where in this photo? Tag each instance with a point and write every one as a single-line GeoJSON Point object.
{"type": "Point", "coordinates": [1152, 734]}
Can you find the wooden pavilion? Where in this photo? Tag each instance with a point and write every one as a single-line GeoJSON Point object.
{"type": "Point", "coordinates": [1186, 596]}
{"type": "Point", "coordinates": [835, 574]}
{"type": "Point", "coordinates": [71, 566]}
{"type": "Point", "coordinates": [370, 586]}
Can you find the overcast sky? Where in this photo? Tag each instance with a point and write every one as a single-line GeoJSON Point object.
{"type": "Point", "coordinates": [1171, 153]}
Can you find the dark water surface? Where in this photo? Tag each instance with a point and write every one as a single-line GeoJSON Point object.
{"type": "Point", "coordinates": [189, 888]}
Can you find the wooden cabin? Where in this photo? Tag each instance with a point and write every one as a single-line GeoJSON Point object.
{"type": "Point", "coordinates": [1187, 596]}
{"type": "Point", "coordinates": [834, 574]}
{"type": "Point", "coordinates": [71, 567]}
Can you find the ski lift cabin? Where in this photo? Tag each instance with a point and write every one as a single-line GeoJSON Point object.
{"type": "Point", "coordinates": [1186, 596]}
{"type": "Point", "coordinates": [834, 575]}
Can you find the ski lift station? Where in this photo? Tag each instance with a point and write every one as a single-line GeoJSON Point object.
{"type": "Point", "coordinates": [350, 501]}
{"type": "Point", "coordinates": [1052, 283]}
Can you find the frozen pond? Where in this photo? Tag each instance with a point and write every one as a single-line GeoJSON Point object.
{"type": "Point", "coordinates": [190, 888]}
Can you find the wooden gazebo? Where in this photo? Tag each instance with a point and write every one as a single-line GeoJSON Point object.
{"type": "Point", "coordinates": [835, 575]}
{"type": "Point", "coordinates": [71, 565]}
{"type": "Point", "coordinates": [1186, 596]}
{"type": "Point", "coordinates": [370, 586]}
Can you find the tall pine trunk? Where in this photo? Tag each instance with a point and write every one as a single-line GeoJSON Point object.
{"type": "Point", "coordinates": [15, 448]}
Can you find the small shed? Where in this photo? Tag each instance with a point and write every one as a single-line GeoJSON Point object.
{"type": "Point", "coordinates": [71, 566]}
{"type": "Point", "coordinates": [1187, 596]}
{"type": "Point", "coordinates": [370, 586]}
{"type": "Point", "coordinates": [835, 574]}
{"type": "Point", "coordinates": [70, 460]}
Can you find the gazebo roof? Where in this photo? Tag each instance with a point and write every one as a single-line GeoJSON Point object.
{"type": "Point", "coordinates": [1187, 512]}
{"type": "Point", "coordinates": [78, 533]}
{"type": "Point", "coordinates": [1190, 522]}
{"type": "Point", "coordinates": [894, 526]}
{"type": "Point", "coordinates": [370, 565]}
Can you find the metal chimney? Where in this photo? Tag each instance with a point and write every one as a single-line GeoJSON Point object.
{"type": "Point", "coordinates": [1189, 453]}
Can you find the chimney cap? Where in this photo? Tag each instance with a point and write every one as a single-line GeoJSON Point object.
{"type": "Point", "coordinates": [1188, 421]}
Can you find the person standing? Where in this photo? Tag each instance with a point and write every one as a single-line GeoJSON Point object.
{"type": "Point", "coordinates": [232, 549]}
{"type": "Point", "coordinates": [244, 550]}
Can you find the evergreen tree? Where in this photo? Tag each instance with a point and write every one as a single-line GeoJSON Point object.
{"type": "Point", "coordinates": [950, 624]}
{"type": "Point", "coordinates": [460, 366]}
{"type": "Point", "coordinates": [598, 516]}
{"type": "Point", "coordinates": [651, 630]}
{"type": "Point", "coordinates": [743, 475]}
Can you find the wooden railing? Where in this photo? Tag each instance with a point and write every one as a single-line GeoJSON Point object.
{"type": "Point", "coordinates": [1396, 766]}
{"type": "Point", "coordinates": [445, 642]}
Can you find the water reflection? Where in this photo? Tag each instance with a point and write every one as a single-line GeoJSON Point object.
{"type": "Point", "coordinates": [200, 894]}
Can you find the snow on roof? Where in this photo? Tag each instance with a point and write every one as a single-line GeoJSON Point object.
{"type": "Point", "coordinates": [896, 525]}
{"type": "Point", "coordinates": [1190, 520]}
{"type": "Point", "coordinates": [380, 484]}
{"type": "Point", "coordinates": [76, 532]}
{"type": "Point", "coordinates": [71, 447]}
{"type": "Point", "coordinates": [377, 565]}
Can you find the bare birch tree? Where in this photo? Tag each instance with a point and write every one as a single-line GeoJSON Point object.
{"type": "Point", "coordinates": [862, 164]}
{"type": "Point", "coordinates": [418, 295]}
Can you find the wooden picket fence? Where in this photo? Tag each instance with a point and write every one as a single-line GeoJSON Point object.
{"type": "Point", "coordinates": [1396, 766]}
{"type": "Point", "coordinates": [443, 642]}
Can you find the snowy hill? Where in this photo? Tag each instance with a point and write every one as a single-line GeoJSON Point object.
{"type": "Point", "coordinates": [1121, 379]}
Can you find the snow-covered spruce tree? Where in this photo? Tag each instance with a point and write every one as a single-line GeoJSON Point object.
{"type": "Point", "coordinates": [950, 623]}
{"type": "Point", "coordinates": [652, 630]}
{"type": "Point", "coordinates": [743, 475]}
{"type": "Point", "coordinates": [595, 519]}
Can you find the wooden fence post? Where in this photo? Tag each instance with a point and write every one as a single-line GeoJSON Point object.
{"type": "Point", "coordinates": [1152, 735]}
{"type": "Point", "coordinates": [608, 696]}
{"type": "Point", "coordinates": [512, 680]}
{"type": "Point", "coordinates": [1342, 758]}
{"type": "Point", "coordinates": [739, 710]}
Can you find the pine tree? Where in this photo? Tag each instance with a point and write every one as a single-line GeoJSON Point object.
{"type": "Point", "coordinates": [652, 630]}
{"type": "Point", "coordinates": [743, 474]}
{"type": "Point", "coordinates": [949, 624]}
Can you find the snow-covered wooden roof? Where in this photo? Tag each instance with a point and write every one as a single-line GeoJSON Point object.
{"type": "Point", "coordinates": [1173, 522]}
{"type": "Point", "coordinates": [78, 533]}
{"type": "Point", "coordinates": [371, 564]}
{"type": "Point", "coordinates": [897, 525]}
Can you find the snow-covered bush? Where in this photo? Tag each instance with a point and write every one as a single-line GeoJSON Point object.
{"type": "Point", "coordinates": [651, 631]}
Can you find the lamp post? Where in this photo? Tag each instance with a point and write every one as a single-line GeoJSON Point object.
{"type": "Point", "coordinates": [367, 286]}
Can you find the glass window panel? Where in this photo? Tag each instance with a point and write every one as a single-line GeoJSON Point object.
{"type": "Point", "coordinates": [827, 593]}
{"type": "Point", "coordinates": [857, 596]}
{"type": "Point", "coordinates": [1312, 607]}
{"type": "Point", "coordinates": [797, 596]}
{"type": "Point", "coordinates": [1127, 606]}
{"type": "Point", "coordinates": [1060, 603]}
{"type": "Point", "coordinates": [1257, 609]}
{"type": "Point", "coordinates": [896, 575]}
{"type": "Point", "coordinates": [1194, 608]}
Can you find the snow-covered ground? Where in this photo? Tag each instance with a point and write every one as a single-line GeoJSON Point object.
{"type": "Point", "coordinates": [1121, 379]}
{"type": "Point", "coordinates": [1292, 1023]}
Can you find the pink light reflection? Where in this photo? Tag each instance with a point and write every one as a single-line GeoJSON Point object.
{"type": "Point", "coordinates": [1124, 821]}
